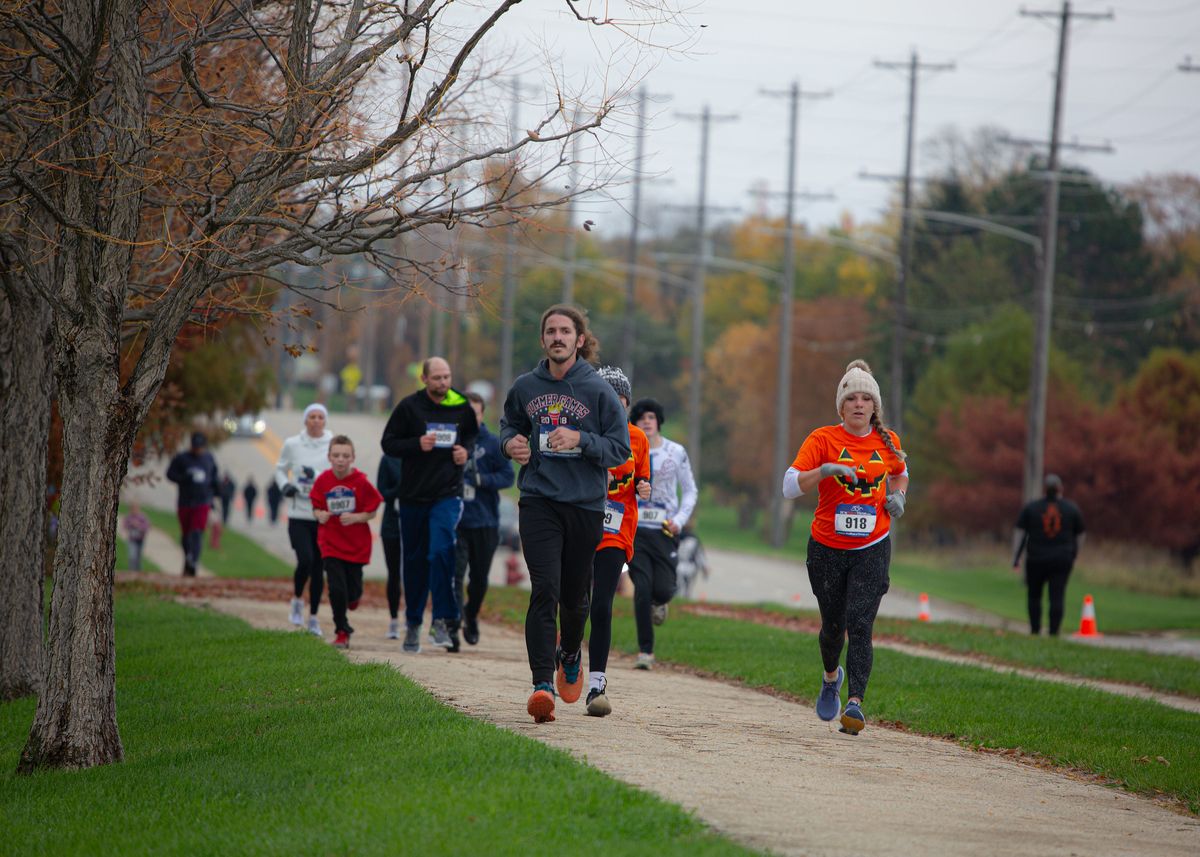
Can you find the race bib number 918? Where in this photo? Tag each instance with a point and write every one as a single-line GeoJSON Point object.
{"type": "Point", "coordinates": [614, 515]}
{"type": "Point", "coordinates": [856, 520]}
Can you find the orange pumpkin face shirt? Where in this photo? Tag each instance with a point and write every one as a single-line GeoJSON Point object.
{"type": "Point", "coordinates": [850, 516]}
{"type": "Point", "coordinates": [620, 507]}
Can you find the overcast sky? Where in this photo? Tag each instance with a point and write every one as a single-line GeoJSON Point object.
{"type": "Point", "coordinates": [1124, 87]}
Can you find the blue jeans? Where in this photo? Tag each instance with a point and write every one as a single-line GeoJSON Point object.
{"type": "Point", "coordinates": [428, 538]}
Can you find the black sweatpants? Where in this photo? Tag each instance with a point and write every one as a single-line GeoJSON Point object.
{"type": "Point", "coordinates": [303, 536]}
{"type": "Point", "coordinates": [345, 585]}
{"type": "Point", "coordinates": [606, 574]}
{"type": "Point", "coordinates": [559, 542]}
{"type": "Point", "coordinates": [393, 558]}
{"type": "Point", "coordinates": [1037, 575]}
{"type": "Point", "coordinates": [473, 552]}
{"type": "Point", "coordinates": [849, 584]}
{"type": "Point", "coordinates": [652, 570]}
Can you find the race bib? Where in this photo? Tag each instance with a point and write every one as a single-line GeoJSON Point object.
{"type": "Point", "coordinates": [340, 500]}
{"type": "Point", "coordinates": [614, 514]}
{"type": "Point", "coordinates": [444, 434]}
{"type": "Point", "coordinates": [652, 515]}
{"type": "Point", "coordinates": [468, 492]}
{"type": "Point", "coordinates": [544, 443]}
{"type": "Point", "coordinates": [856, 520]}
{"type": "Point", "coordinates": [199, 475]}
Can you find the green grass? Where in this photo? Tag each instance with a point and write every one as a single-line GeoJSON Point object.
{"type": "Point", "coordinates": [1112, 736]}
{"type": "Point", "coordinates": [240, 741]}
{"type": "Point", "coordinates": [718, 527]}
{"type": "Point", "coordinates": [238, 557]}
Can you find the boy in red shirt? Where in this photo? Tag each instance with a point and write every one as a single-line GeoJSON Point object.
{"type": "Point", "coordinates": [343, 501]}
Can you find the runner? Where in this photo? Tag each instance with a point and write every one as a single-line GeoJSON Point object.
{"type": "Point", "coordinates": [387, 480]}
{"type": "Point", "coordinates": [859, 471]}
{"type": "Point", "coordinates": [565, 426]}
{"type": "Point", "coordinates": [432, 432]}
{"type": "Point", "coordinates": [195, 472]}
{"type": "Point", "coordinates": [343, 502]}
{"type": "Point", "coordinates": [1052, 528]}
{"type": "Point", "coordinates": [660, 520]}
{"type": "Point", "coordinates": [487, 473]}
{"type": "Point", "coordinates": [626, 484]}
{"type": "Point", "coordinates": [302, 457]}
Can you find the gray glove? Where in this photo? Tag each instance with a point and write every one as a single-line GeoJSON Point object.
{"type": "Point", "coordinates": [831, 469]}
{"type": "Point", "coordinates": [895, 504]}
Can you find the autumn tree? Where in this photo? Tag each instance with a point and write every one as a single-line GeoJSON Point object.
{"type": "Point", "coordinates": [154, 154]}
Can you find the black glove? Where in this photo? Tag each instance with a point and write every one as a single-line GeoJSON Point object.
{"type": "Point", "coordinates": [308, 473]}
{"type": "Point", "coordinates": [290, 490]}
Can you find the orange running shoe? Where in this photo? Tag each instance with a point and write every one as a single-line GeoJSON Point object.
{"type": "Point", "coordinates": [568, 678]}
{"type": "Point", "coordinates": [541, 703]}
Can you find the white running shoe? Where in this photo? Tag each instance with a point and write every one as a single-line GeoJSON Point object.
{"type": "Point", "coordinates": [658, 613]}
{"type": "Point", "coordinates": [297, 617]}
{"type": "Point", "coordinates": [314, 627]}
{"type": "Point", "coordinates": [393, 630]}
{"type": "Point", "coordinates": [645, 661]}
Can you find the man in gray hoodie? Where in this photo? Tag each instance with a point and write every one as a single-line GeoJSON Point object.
{"type": "Point", "coordinates": [565, 426]}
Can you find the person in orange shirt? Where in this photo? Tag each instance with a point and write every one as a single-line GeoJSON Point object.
{"type": "Point", "coordinates": [626, 483]}
{"type": "Point", "coordinates": [859, 472]}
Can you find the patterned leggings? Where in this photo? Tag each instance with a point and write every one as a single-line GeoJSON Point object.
{"type": "Point", "coordinates": [849, 584]}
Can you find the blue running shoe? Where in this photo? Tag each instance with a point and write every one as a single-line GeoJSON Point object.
{"type": "Point", "coordinates": [852, 719]}
{"type": "Point", "coordinates": [829, 700]}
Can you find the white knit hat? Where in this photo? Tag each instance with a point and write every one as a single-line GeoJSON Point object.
{"type": "Point", "coordinates": [858, 379]}
{"type": "Point", "coordinates": [316, 406]}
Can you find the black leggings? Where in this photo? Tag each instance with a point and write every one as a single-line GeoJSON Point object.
{"type": "Point", "coordinates": [345, 587]}
{"type": "Point", "coordinates": [559, 542]}
{"type": "Point", "coordinates": [849, 584]}
{"type": "Point", "coordinates": [303, 536]}
{"type": "Point", "coordinates": [474, 550]}
{"type": "Point", "coordinates": [652, 570]}
{"type": "Point", "coordinates": [606, 574]}
{"type": "Point", "coordinates": [1037, 575]}
{"type": "Point", "coordinates": [393, 558]}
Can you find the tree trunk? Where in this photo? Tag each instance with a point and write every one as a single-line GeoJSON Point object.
{"type": "Point", "coordinates": [25, 392]}
{"type": "Point", "coordinates": [76, 721]}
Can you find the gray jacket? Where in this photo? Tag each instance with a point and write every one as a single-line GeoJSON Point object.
{"type": "Point", "coordinates": [537, 404]}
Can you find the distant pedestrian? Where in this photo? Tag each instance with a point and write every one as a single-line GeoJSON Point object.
{"type": "Point", "coordinates": [693, 561]}
{"type": "Point", "coordinates": [343, 501]}
{"type": "Point", "coordinates": [136, 526]}
{"type": "Point", "coordinates": [1052, 529]}
{"type": "Point", "coordinates": [302, 457]}
{"type": "Point", "coordinates": [227, 490]}
{"type": "Point", "coordinates": [487, 473]}
{"type": "Point", "coordinates": [195, 472]}
{"type": "Point", "coordinates": [274, 498]}
{"type": "Point", "coordinates": [388, 482]}
{"type": "Point", "coordinates": [861, 478]}
{"type": "Point", "coordinates": [250, 494]}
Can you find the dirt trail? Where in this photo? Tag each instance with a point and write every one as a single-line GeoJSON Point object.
{"type": "Point", "coordinates": [767, 773]}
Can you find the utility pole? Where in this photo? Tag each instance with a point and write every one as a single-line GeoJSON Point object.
{"type": "Point", "coordinates": [568, 288]}
{"type": "Point", "coordinates": [508, 306]}
{"type": "Point", "coordinates": [900, 312]}
{"type": "Point", "coordinates": [1035, 440]}
{"type": "Point", "coordinates": [706, 118]}
{"type": "Point", "coordinates": [783, 394]}
{"type": "Point", "coordinates": [629, 323]}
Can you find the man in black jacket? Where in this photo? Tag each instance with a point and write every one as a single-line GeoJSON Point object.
{"type": "Point", "coordinates": [195, 472]}
{"type": "Point", "coordinates": [432, 432]}
{"type": "Point", "coordinates": [1052, 529]}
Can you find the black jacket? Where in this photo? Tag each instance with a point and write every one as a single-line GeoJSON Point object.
{"type": "Point", "coordinates": [426, 477]}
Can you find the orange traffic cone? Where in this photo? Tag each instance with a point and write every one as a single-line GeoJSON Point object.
{"type": "Point", "coordinates": [923, 613]}
{"type": "Point", "coordinates": [1087, 621]}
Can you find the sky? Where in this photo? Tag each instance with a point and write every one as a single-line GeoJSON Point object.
{"type": "Point", "coordinates": [1123, 88]}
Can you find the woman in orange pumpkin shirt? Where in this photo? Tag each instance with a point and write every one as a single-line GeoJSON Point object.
{"type": "Point", "coordinates": [859, 472]}
{"type": "Point", "coordinates": [625, 484]}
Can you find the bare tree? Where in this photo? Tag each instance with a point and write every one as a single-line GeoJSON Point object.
{"type": "Point", "coordinates": [155, 155]}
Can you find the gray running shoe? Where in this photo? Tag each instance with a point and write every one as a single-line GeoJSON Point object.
{"type": "Point", "coordinates": [393, 630]}
{"type": "Point", "coordinates": [829, 700]}
{"type": "Point", "coordinates": [658, 613]}
{"type": "Point", "coordinates": [441, 634]}
{"type": "Point", "coordinates": [597, 701]}
{"type": "Point", "coordinates": [645, 661]}
{"type": "Point", "coordinates": [412, 639]}
{"type": "Point", "coordinates": [314, 627]}
{"type": "Point", "coordinates": [853, 720]}
{"type": "Point", "coordinates": [297, 617]}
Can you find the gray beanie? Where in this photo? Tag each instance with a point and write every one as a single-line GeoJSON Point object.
{"type": "Point", "coordinates": [617, 380]}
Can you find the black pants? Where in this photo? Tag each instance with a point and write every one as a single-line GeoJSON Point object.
{"type": "Point", "coordinates": [1037, 575]}
{"type": "Point", "coordinates": [473, 552]}
{"type": "Point", "coordinates": [559, 542]}
{"type": "Point", "coordinates": [606, 574]}
{"type": "Point", "coordinates": [652, 570]}
{"type": "Point", "coordinates": [849, 584]}
{"type": "Point", "coordinates": [303, 536]}
{"type": "Point", "coordinates": [393, 558]}
{"type": "Point", "coordinates": [345, 585]}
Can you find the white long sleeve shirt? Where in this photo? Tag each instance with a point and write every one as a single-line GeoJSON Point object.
{"type": "Point", "coordinates": [673, 487]}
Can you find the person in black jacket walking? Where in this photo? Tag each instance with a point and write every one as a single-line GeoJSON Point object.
{"type": "Point", "coordinates": [1052, 529]}
{"type": "Point", "coordinates": [565, 426]}
{"type": "Point", "coordinates": [388, 483]}
{"type": "Point", "coordinates": [486, 474]}
{"type": "Point", "coordinates": [195, 472]}
{"type": "Point", "coordinates": [433, 433]}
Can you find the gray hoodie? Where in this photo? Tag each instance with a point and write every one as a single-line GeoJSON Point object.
{"type": "Point", "coordinates": [537, 404]}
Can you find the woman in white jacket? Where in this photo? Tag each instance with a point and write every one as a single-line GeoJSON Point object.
{"type": "Point", "coordinates": [302, 458]}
